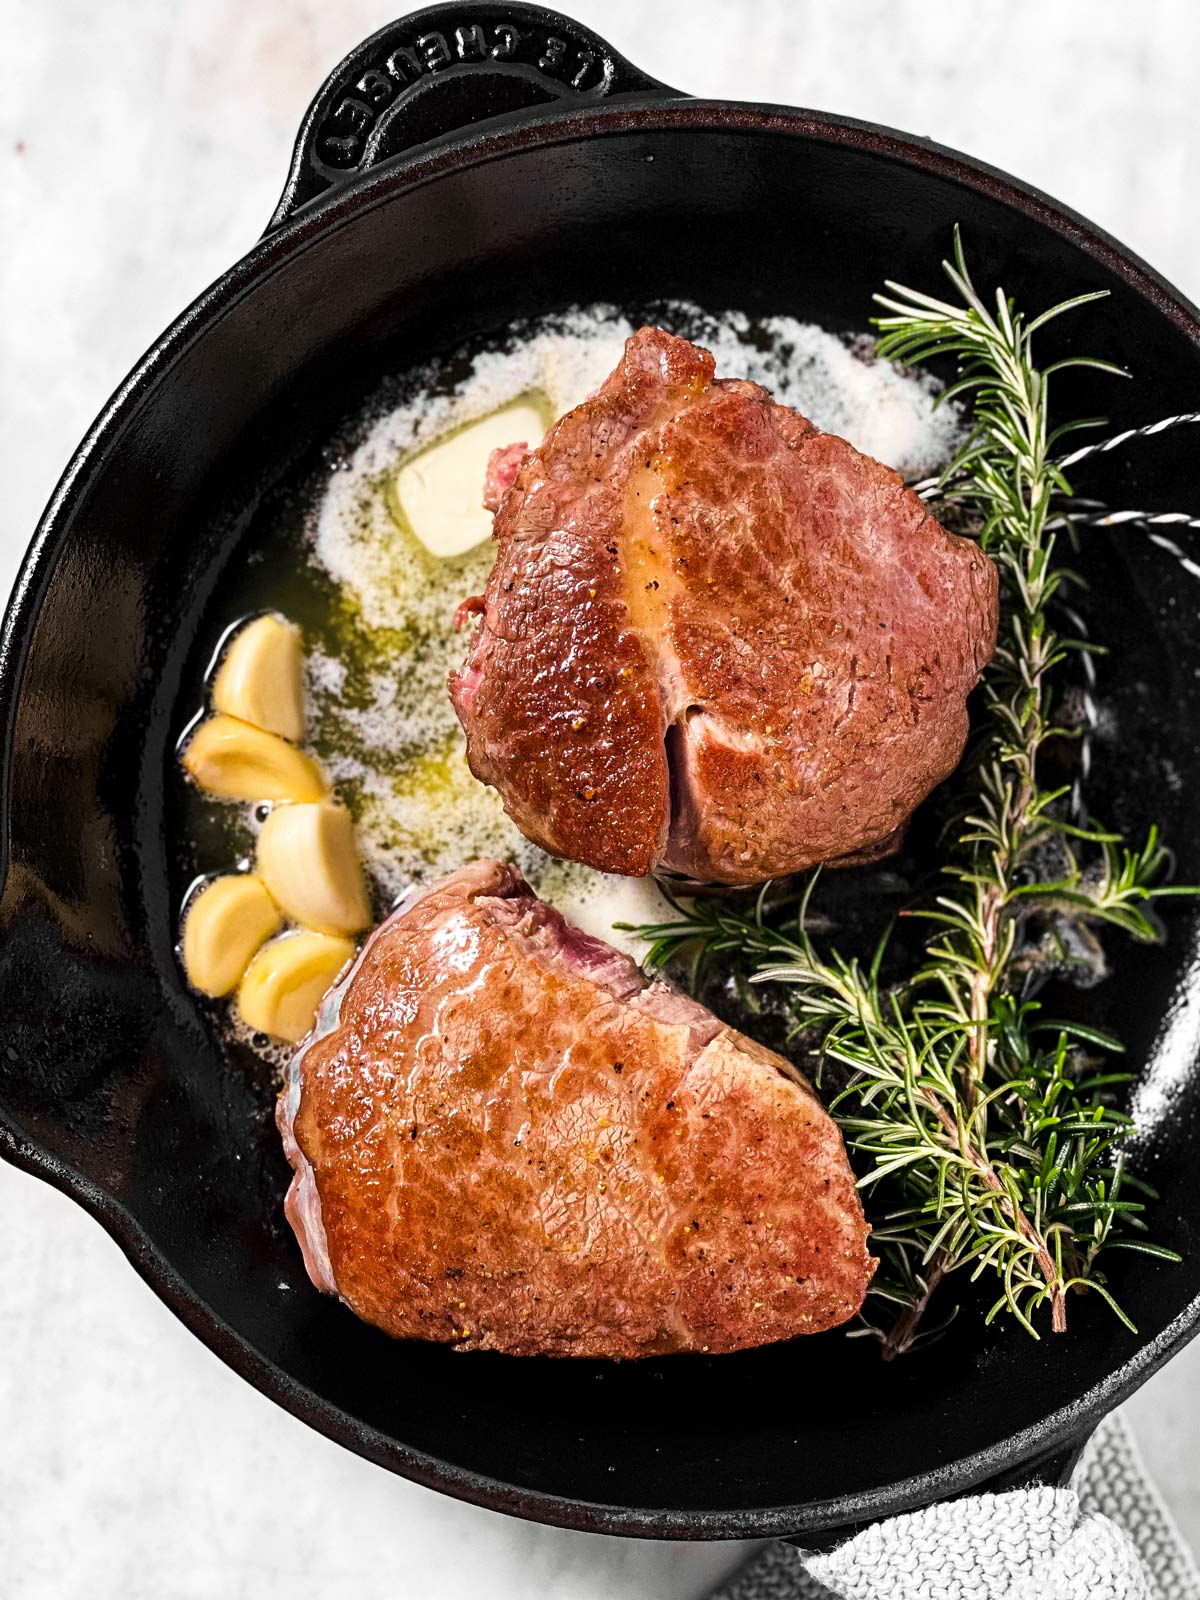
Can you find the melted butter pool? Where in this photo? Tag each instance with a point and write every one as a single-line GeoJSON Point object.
{"type": "Point", "coordinates": [380, 714]}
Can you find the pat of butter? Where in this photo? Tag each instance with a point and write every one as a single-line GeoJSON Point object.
{"type": "Point", "coordinates": [440, 491]}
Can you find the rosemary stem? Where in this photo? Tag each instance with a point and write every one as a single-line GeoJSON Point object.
{"type": "Point", "coordinates": [991, 905]}
{"type": "Point", "coordinates": [1047, 1265]}
{"type": "Point", "coordinates": [991, 901]}
{"type": "Point", "coordinates": [904, 1329]}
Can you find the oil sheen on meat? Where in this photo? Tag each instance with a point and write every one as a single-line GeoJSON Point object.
{"type": "Point", "coordinates": [505, 1138]}
{"type": "Point", "coordinates": [715, 641]}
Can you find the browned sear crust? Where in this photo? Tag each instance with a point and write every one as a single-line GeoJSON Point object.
{"type": "Point", "coordinates": [518, 1144]}
{"type": "Point", "coordinates": [716, 640]}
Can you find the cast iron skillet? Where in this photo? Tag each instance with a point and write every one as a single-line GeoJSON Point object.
{"type": "Point", "coordinates": [462, 167]}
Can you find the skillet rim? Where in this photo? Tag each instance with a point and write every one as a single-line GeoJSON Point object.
{"type": "Point", "coordinates": [644, 112]}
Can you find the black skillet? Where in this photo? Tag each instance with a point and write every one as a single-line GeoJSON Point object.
{"type": "Point", "coordinates": [463, 167]}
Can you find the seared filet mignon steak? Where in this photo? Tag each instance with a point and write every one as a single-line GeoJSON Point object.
{"type": "Point", "coordinates": [506, 1139]}
{"type": "Point", "coordinates": [715, 640]}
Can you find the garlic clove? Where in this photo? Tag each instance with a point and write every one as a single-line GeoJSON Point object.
{"type": "Point", "coordinates": [438, 493]}
{"type": "Point", "coordinates": [225, 924]}
{"type": "Point", "coordinates": [308, 860]}
{"type": "Point", "coordinates": [229, 757]}
{"type": "Point", "coordinates": [261, 679]}
{"type": "Point", "coordinates": [288, 979]}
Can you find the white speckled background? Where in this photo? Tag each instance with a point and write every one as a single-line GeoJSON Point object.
{"type": "Point", "coordinates": [143, 144]}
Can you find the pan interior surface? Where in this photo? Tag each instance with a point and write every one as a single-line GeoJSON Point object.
{"type": "Point", "coordinates": [112, 1081]}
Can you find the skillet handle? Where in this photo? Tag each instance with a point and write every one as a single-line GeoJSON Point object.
{"type": "Point", "coordinates": [1053, 1469]}
{"type": "Point", "coordinates": [438, 72]}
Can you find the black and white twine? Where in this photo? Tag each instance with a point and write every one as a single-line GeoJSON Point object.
{"type": "Point", "coordinates": [1089, 721]}
{"type": "Point", "coordinates": [1118, 439]}
{"type": "Point", "coordinates": [1093, 514]}
{"type": "Point", "coordinates": [931, 488]}
{"type": "Point", "coordinates": [1147, 520]}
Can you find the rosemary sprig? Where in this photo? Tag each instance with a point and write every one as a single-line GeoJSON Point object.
{"type": "Point", "coordinates": [989, 1132]}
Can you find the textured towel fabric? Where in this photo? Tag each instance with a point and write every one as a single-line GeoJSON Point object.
{"type": "Point", "coordinates": [1107, 1537]}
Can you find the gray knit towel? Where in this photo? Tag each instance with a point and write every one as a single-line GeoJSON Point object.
{"type": "Point", "coordinates": [1108, 1537]}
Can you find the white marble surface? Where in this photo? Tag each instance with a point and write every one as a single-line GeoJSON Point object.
{"type": "Point", "coordinates": [143, 146]}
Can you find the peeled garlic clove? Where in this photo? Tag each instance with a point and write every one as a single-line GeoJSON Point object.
{"type": "Point", "coordinates": [308, 860]}
{"type": "Point", "coordinates": [229, 757]}
{"type": "Point", "coordinates": [261, 679]}
{"type": "Point", "coordinates": [287, 980]}
{"type": "Point", "coordinates": [224, 925]}
{"type": "Point", "coordinates": [439, 492]}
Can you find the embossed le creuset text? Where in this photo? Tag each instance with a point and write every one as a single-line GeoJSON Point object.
{"type": "Point", "coordinates": [574, 68]}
